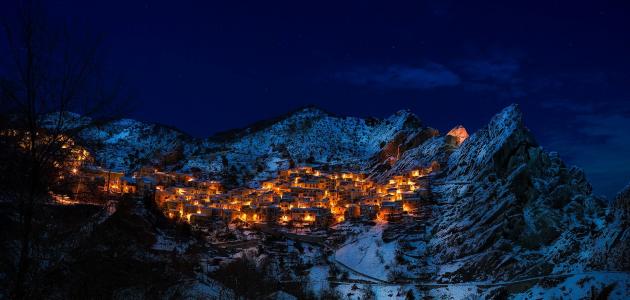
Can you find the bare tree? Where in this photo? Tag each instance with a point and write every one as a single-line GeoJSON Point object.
{"type": "Point", "coordinates": [48, 74]}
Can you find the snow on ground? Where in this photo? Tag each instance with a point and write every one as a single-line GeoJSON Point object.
{"type": "Point", "coordinates": [165, 243]}
{"type": "Point", "coordinates": [368, 254]}
{"type": "Point", "coordinates": [210, 289]}
{"type": "Point", "coordinates": [580, 286]}
{"type": "Point", "coordinates": [360, 291]}
{"type": "Point", "coordinates": [455, 292]}
{"type": "Point", "coordinates": [309, 254]}
{"type": "Point", "coordinates": [318, 278]}
{"type": "Point", "coordinates": [449, 268]}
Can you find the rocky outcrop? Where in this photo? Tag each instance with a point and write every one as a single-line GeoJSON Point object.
{"type": "Point", "coordinates": [457, 136]}
{"type": "Point", "coordinates": [508, 209]}
{"type": "Point", "coordinates": [611, 249]}
{"type": "Point", "coordinates": [407, 151]}
{"type": "Point", "coordinates": [421, 149]}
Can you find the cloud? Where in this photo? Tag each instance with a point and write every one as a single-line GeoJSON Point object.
{"type": "Point", "coordinates": [570, 106]}
{"type": "Point", "coordinates": [498, 73]}
{"type": "Point", "coordinates": [503, 69]}
{"type": "Point", "coordinates": [429, 76]}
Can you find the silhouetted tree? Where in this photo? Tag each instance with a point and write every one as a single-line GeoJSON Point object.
{"type": "Point", "coordinates": [48, 73]}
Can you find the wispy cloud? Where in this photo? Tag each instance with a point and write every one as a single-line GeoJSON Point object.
{"type": "Point", "coordinates": [503, 69]}
{"type": "Point", "coordinates": [566, 105]}
{"type": "Point", "coordinates": [429, 76]}
{"type": "Point", "coordinates": [498, 73]}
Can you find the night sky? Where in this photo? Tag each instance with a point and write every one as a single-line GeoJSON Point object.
{"type": "Point", "coordinates": [209, 66]}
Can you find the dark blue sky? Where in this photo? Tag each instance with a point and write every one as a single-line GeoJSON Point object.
{"type": "Point", "coordinates": [208, 66]}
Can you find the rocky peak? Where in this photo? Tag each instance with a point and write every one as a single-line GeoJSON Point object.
{"type": "Point", "coordinates": [403, 119]}
{"type": "Point", "coordinates": [502, 144]}
{"type": "Point", "coordinates": [457, 135]}
{"type": "Point", "coordinates": [509, 119]}
{"type": "Point", "coordinates": [504, 198]}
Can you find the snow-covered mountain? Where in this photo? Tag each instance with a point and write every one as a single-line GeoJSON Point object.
{"type": "Point", "coordinates": [509, 217]}
{"type": "Point", "coordinates": [306, 136]}
{"type": "Point", "coordinates": [506, 210]}
{"type": "Point", "coordinates": [126, 144]}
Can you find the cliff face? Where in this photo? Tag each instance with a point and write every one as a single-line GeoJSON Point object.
{"type": "Point", "coordinates": [613, 248]}
{"type": "Point", "coordinates": [507, 209]}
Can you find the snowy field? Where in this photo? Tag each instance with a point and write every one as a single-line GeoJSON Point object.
{"type": "Point", "coordinates": [368, 254]}
{"type": "Point", "coordinates": [580, 286]}
{"type": "Point", "coordinates": [574, 287]}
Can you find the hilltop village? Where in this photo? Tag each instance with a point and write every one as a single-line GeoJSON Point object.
{"type": "Point", "coordinates": [299, 197]}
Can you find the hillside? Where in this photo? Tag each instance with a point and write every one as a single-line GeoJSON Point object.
{"type": "Point", "coordinates": [307, 136]}
{"type": "Point", "coordinates": [504, 210]}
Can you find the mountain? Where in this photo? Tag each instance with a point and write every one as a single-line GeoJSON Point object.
{"type": "Point", "coordinates": [509, 218]}
{"type": "Point", "coordinates": [306, 136]}
{"type": "Point", "coordinates": [505, 209]}
{"type": "Point", "coordinates": [127, 144]}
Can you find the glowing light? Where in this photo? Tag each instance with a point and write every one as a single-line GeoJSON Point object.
{"type": "Point", "coordinates": [335, 196]}
{"type": "Point", "coordinates": [380, 217]}
{"type": "Point", "coordinates": [74, 170]}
